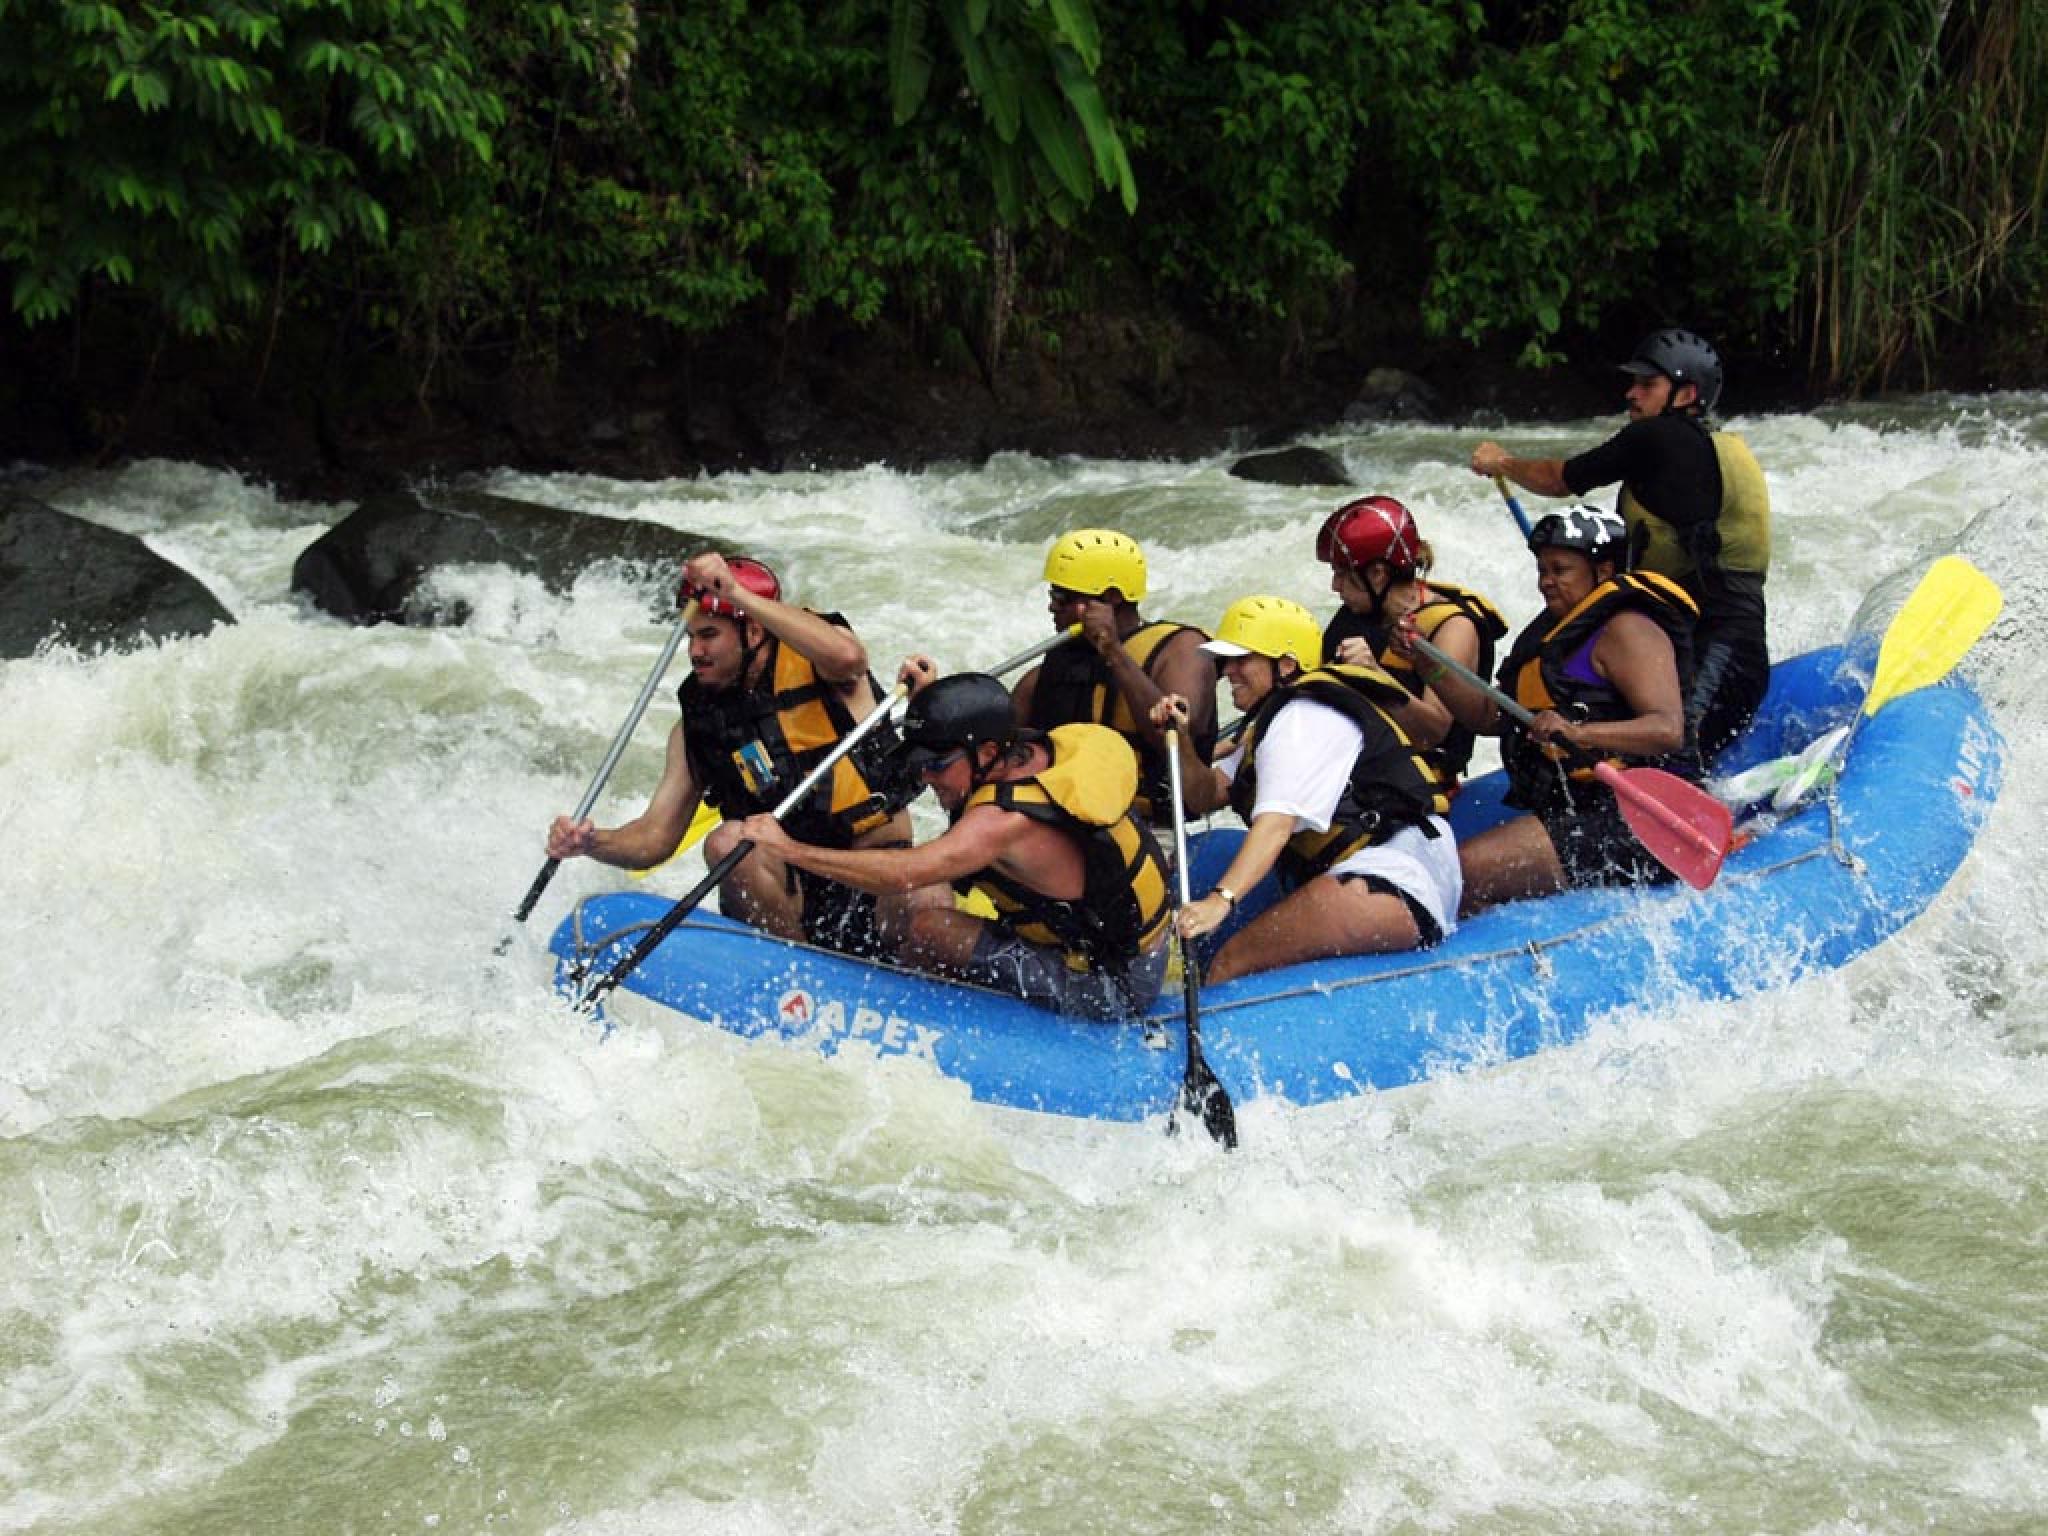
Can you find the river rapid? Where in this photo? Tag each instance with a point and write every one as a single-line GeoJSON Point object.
{"type": "Point", "coordinates": [321, 1217]}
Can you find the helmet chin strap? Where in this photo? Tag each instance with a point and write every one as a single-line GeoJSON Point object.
{"type": "Point", "coordinates": [1377, 614]}
{"type": "Point", "coordinates": [748, 650]}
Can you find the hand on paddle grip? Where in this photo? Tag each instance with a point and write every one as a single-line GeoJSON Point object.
{"type": "Point", "coordinates": [1170, 713]}
{"type": "Point", "coordinates": [917, 672]}
{"type": "Point", "coordinates": [570, 838]}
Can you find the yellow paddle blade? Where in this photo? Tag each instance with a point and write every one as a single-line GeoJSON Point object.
{"type": "Point", "coordinates": [700, 828]}
{"type": "Point", "coordinates": [1954, 604]}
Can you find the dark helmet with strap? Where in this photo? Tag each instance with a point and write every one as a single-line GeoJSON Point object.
{"type": "Point", "coordinates": [963, 710]}
{"type": "Point", "coordinates": [1683, 357]}
{"type": "Point", "coordinates": [750, 574]}
{"type": "Point", "coordinates": [1371, 528]}
{"type": "Point", "coordinates": [1598, 533]}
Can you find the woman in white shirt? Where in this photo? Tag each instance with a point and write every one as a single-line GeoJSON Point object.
{"type": "Point", "coordinates": [1332, 793]}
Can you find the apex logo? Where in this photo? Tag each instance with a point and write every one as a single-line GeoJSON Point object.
{"type": "Point", "coordinates": [799, 1012]}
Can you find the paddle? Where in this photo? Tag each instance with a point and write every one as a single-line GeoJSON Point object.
{"type": "Point", "coordinates": [1684, 828]}
{"type": "Point", "coordinates": [611, 757]}
{"type": "Point", "coordinates": [1950, 608]}
{"type": "Point", "coordinates": [707, 817]}
{"type": "Point", "coordinates": [1200, 1093]}
{"type": "Point", "coordinates": [1514, 506]}
{"type": "Point", "coordinates": [673, 918]}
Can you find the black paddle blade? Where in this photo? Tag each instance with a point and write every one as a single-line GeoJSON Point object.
{"type": "Point", "coordinates": [1203, 1097]}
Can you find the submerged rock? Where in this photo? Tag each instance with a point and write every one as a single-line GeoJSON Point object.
{"type": "Point", "coordinates": [79, 583]}
{"type": "Point", "coordinates": [1394, 394]}
{"type": "Point", "coordinates": [368, 567]}
{"type": "Point", "coordinates": [1293, 466]}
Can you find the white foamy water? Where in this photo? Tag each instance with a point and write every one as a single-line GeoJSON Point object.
{"type": "Point", "coordinates": [321, 1218]}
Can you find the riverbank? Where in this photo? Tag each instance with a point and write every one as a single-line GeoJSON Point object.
{"type": "Point", "coordinates": [317, 421]}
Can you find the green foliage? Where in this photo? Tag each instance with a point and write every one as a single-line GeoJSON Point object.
{"type": "Point", "coordinates": [1913, 163]}
{"type": "Point", "coordinates": [482, 178]}
{"type": "Point", "coordinates": [1032, 66]}
{"type": "Point", "coordinates": [168, 149]}
{"type": "Point", "coordinates": [1600, 161]}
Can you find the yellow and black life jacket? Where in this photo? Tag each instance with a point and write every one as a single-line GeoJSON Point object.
{"type": "Point", "coordinates": [1074, 685]}
{"type": "Point", "coordinates": [1391, 785]}
{"type": "Point", "coordinates": [1449, 758]}
{"type": "Point", "coordinates": [750, 746]}
{"type": "Point", "coordinates": [1738, 542]}
{"type": "Point", "coordinates": [1086, 792]}
{"type": "Point", "coordinates": [1550, 667]}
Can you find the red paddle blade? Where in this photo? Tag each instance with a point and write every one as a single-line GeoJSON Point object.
{"type": "Point", "coordinates": [1684, 828]}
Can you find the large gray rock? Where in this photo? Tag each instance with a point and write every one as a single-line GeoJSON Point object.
{"type": "Point", "coordinates": [369, 566]}
{"type": "Point", "coordinates": [65, 579]}
{"type": "Point", "coordinates": [1394, 394]}
{"type": "Point", "coordinates": [1292, 466]}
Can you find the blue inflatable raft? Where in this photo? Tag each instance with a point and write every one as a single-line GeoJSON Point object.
{"type": "Point", "coordinates": [1822, 887]}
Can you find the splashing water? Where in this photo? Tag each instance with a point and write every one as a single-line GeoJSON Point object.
{"type": "Point", "coordinates": [323, 1218]}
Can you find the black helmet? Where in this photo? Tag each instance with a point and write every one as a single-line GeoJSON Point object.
{"type": "Point", "coordinates": [1595, 532]}
{"type": "Point", "coordinates": [1682, 357]}
{"type": "Point", "coordinates": [963, 710]}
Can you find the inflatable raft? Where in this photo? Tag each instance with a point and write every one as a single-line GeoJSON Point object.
{"type": "Point", "coordinates": [1818, 889]}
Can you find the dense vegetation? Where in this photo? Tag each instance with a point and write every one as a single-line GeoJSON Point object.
{"type": "Point", "coordinates": [1853, 180]}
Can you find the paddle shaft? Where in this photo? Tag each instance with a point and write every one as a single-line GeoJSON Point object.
{"type": "Point", "coordinates": [617, 751]}
{"type": "Point", "coordinates": [1613, 777]}
{"type": "Point", "coordinates": [1514, 505]}
{"type": "Point", "coordinates": [1032, 653]}
{"type": "Point", "coordinates": [673, 918]}
{"type": "Point", "coordinates": [1200, 1091]}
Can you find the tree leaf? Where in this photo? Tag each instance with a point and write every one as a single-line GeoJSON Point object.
{"type": "Point", "coordinates": [1075, 23]}
{"type": "Point", "coordinates": [910, 59]}
{"type": "Point", "coordinates": [1058, 139]}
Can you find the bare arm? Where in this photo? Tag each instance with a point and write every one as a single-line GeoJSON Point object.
{"type": "Point", "coordinates": [1635, 656]}
{"type": "Point", "coordinates": [1424, 718]}
{"type": "Point", "coordinates": [649, 837]}
{"type": "Point", "coordinates": [1543, 476]}
{"type": "Point", "coordinates": [1022, 695]}
{"type": "Point", "coordinates": [974, 842]}
{"type": "Point", "coordinates": [1140, 692]}
{"type": "Point", "coordinates": [1458, 638]}
{"type": "Point", "coordinates": [1256, 856]}
{"type": "Point", "coordinates": [832, 649]}
{"type": "Point", "coordinates": [1202, 787]}
{"type": "Point", "coordinates": [1189, 673]}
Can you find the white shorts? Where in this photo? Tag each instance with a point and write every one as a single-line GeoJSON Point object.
{"type": "Point", "coordinates": [1422, 867]}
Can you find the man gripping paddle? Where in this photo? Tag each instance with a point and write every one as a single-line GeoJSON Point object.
{"type": "Point", "coordinates": [772, 689]}
{"type": "Point", "coordinates": [1698, 512]}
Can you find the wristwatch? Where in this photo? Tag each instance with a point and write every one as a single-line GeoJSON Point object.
{"type": "Point", "coordinates": [1225, 892]}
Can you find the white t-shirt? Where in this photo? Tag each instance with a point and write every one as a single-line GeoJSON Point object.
{"type": "Point", "coordinates": [1306, 753]}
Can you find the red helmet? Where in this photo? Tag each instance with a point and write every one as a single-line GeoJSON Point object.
{"type": "Point", "coordinates": [1372, 528]}
{"type": "Point", "coordinates": [752, 575]}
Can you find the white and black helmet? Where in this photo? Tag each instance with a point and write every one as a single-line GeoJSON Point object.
{"type": "Point", "coordinates": [1598, 533]}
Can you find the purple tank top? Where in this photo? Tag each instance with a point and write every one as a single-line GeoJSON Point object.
{"type": "Point", "coordinates": [1579, 667]}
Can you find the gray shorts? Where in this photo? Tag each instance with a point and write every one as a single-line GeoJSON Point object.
{"type": "Point", "coordinates": [1040, 974]}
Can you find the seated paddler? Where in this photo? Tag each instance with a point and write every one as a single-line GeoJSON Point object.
{"type": "Point", "coordinates": [1121, 663]}
{"type": "Point", "coordinates": [1605, 668]}
{"type": "Point", "coordinates": [772, 688]}
{"type": "Point", "coordinates": [1380, 570]}
{"type": "Point", "coordinates": [1333, 795]}
{"type": "Point", "coordinates": [1042, 823]}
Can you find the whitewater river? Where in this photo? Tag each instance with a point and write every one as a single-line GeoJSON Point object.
{"type": "Point", "coordinates": [320, 1218]}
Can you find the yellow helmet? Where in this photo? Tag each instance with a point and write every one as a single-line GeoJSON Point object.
{"type": "Point", "coordinates": [1092, 560]}
{"type": "Point", "coordinates": [1272, 627]}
